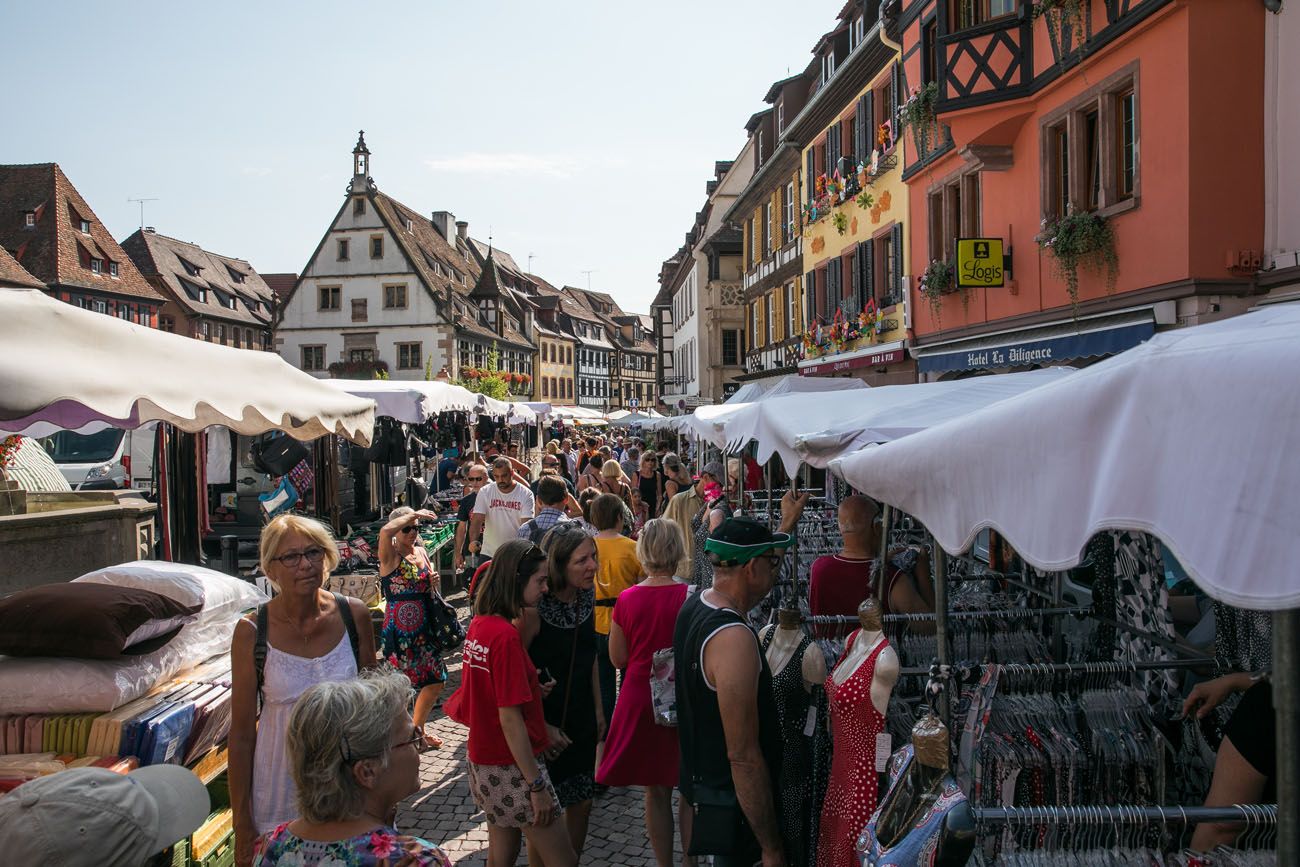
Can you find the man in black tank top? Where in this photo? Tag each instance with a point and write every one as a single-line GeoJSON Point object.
{"type": "Point", "coordinates": [726, 712]}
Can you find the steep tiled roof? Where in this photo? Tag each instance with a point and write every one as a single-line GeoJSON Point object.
{"type": "Point", "coordinates": [281, 284]}
{"type": "Point", "coordinates": [13, 274]}
{"type": "Point", "coordinates": [436, 261]}
{"type": "Point", "coordinates": [55, 250]}
{"type": "Point", "coordinates": [232, 290]}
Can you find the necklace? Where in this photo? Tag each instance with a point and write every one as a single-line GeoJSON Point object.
{"type": "Point", "coordinates": [298, 629]}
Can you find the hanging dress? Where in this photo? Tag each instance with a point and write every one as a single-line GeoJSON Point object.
{"type": "Point", "coordinates": [853, 792]}
{"type": "Point", "coordinates": [407, 636]}
{"type": "Point", "coordinates": [566, 646]}
{"type": "Point", "coordinates": [796, 771]}
{"type": "Point", "coordinates": [701, 565]}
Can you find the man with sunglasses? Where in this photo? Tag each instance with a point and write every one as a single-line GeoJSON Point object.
{"type": "Point", "coordinates": [499, 509]}
{"type": "Point", "coordinates": [726, 710]}
{"type": "Point", "coordinates": [476, 476]}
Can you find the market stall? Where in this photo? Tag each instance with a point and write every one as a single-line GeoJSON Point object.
{"type": "Point", "coordinates": [1186, 442]}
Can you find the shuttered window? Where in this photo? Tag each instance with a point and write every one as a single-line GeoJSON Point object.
{"type": "Point", "coordinates": [896, 290]}
{"type": "Point", "coordinates": [810, 175]}
{"type": "Point", "coordinates": [866, 270]}
{"type": "Point", "coordinates": [809, 298]}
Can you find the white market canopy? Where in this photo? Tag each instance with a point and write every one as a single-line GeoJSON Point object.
{"type": "Point", "coordinates": [711, 423]}
{"type": "Point", "coordinates": [417, 401]}
{"type": "Point", "coordinates": [628, 419]}
{"type": "Point", "coordinates": [580, 414]}
{"type": "Point", "coordinates": [1193, 436]}
{"type": "Point", "coordinates": [791, 383]}
{"type": "Point", "coordinates": [64, 368]}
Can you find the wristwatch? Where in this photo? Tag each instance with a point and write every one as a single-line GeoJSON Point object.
{"type": "Point", "coordinates": [538, 784]}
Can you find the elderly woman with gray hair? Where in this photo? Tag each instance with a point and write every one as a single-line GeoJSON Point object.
{"type": "Point", "coordinates": [352, 747]}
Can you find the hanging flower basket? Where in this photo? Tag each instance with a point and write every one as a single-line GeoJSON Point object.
{"type": "Point", "coordinates": [936, 281]}
{"type": "Point", "coordinates": [1080, 239]}
{"type": "Point", "coordinates": [918, 114]}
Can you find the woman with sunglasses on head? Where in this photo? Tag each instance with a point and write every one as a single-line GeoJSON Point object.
{"type": "Point", "coordinates": [409, 583]}
{"type": "Point", "coordinates": [353, 750]}
{"type": "Point", "coordinates": [306, 640]}
{"type": "Point", "coordinates": [560, 634]}
{"type": "Point", "coordinates": [500, 700]}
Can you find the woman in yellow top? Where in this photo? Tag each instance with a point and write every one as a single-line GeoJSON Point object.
{"type": "Point", "coordinates": [619, 569]}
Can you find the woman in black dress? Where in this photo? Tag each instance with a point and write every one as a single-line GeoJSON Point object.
{"type": "Point", "coordinates": [560, 634]}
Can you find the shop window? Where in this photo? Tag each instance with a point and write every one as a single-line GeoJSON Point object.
{"type": "Point", "coordinates": [409, 356]}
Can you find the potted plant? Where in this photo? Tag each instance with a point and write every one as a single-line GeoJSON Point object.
{"type": "Point", "coordinates": [13, 499]}
{"type": "Point", "coordinates": [1076, 239]}
{"type": "Point", "coordinates": [936, 281]}
{"type": "Point", "coordinates": [1066, 23]}
{"type": "Point", "coordinates": [918, 113]}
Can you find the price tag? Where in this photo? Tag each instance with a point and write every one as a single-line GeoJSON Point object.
{"type": "Point", "coordinates": [811, 725]}
{"type": "Point", "coordinates": [883, 744]}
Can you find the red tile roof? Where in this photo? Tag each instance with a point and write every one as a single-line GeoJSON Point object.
{"type": "Point", "coordinates": [281, 284]}
{"type": "Point", "coordinates": [13, 274]}
{"type": "Point", "coordinates": [55, 250]}
{"type": "Point", "coordinates": [230, 288]}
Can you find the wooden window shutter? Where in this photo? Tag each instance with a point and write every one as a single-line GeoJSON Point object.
{"type": "Point", "coordinates": [810, 180]}
{"type": "Point", "coordinates": [797, 289]}
{"type": "Point", "coordinates": [778, 310]}
{"type": "Point", "coordinates": [861, 131]}
{"type": "Point", "coordinates": [897, 233]}
{"type": "Point", "coordinates": [810, 298]}
{"type": "Point", "coordinates": [896, 88]}
{"type": "Point", "coordinates": [867, 269]}
{"type": "Point", "coordinates": [744, 247]}
{"type": "Point", "coordinates": [869, 132]}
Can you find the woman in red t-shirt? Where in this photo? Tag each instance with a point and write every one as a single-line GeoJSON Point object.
{"type": "Point", "coordinates": [501, 701]}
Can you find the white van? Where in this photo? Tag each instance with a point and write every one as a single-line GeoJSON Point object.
{"type": "Point", "coordinates": [110, 458]}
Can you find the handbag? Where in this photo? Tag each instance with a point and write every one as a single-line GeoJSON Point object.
{"type": "Point", "coordinates": [282, 499]}
{"type": "Point", "coordinates": [718, 821]}
{"type": "Point", "coordinates": [279, 455]}
{"type": "Point", "coordinates": [448, 634]}
{"type": "Point", "coordinates": [363, 587]}
{"type": "Point", "coordinates": [663, 688]}
{"type": "Point", "coordinates": [302, 476]}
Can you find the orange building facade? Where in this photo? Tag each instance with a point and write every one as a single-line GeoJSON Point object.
{"type": "Point", "coordinates": [1128, 132]}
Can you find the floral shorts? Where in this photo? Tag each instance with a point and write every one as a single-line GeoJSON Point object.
{"type": "Point", "coordinates": [502, 794]}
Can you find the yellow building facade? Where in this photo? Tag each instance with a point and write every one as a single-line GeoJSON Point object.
{"type": "Point", "coordinates": [854, 217]}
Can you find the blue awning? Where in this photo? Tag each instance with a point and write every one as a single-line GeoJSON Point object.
{"type": "Point", "coordinates": [1047, 345]}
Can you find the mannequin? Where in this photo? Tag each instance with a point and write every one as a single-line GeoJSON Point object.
{"type": "Point", "coordinates": [924, 820]}
{"type": "Point", "coordinates": [857, 691]}
{"type": "Point", "coordinates": [798, 666]}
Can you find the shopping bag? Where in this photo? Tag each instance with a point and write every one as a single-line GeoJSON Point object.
{"type": "Point", "coordinates": [282, 499]}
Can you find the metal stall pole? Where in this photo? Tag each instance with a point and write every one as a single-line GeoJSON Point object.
{"type": "Point", "coordinates": [939, 569]}
{"type": "Point", "coordinates": [767, 483]}
{"type": "Point", "coordinates": [882, 556]}
{"type": "Point", "coordinates": [1286, 704]}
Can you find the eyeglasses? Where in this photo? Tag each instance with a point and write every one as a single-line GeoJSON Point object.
{"type": "Point", "coordinates": [410, 528]}
{"type": "Point", "coordinates": [415, 740]}
{"type": "Point", "coordinates": [315, 556]}
{"type": "Point", "coordinates": [476, 478]}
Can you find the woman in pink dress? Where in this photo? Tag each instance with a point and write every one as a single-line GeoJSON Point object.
{"type": "Point", "coordinates": [638, 752]}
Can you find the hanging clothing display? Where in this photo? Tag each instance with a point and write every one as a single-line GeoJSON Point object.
{"type": "Point", "coordinates": [1142, 601]}
{"type": "Point", "coordinates": [219, 455]}
{"type": "Point", "coordinates": [919, 845]}
{"type": "Point", "coordinates": [854, 781]}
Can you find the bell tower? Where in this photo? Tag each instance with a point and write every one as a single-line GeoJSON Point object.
{"type": "Point", "coordinates": [360, 163]}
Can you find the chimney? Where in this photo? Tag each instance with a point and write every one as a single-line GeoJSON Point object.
{"type": "Point", "coordinates": [444, 222]}
{"type": "Point", "coordinates": [150, 230]}
{"type": "Point", "coordinates": [462, 229]}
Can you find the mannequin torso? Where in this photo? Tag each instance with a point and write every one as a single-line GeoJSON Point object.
{"type": "Point", "coordinates": [784, 641]}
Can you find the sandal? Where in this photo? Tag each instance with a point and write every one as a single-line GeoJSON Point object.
{"type": "Point", "coordinates": [431, 742]}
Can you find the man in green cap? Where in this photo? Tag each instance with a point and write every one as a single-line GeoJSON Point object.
{"type": "Point", "coordinates": [730, 745]}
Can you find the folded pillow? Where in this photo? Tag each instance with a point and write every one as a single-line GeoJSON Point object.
{"type": "Point", "coordinates": [215, 592]}
{"type": "Point", "coordinates": [89, 621]}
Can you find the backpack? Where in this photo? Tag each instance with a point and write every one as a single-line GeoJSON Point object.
{"type": "Point", "coordinates": [537, 533]}
{"type": "Point", "coordinates": [259, 643]}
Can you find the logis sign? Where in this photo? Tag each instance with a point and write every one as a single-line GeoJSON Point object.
{"type": "Point", "coordinates": [980, 263]}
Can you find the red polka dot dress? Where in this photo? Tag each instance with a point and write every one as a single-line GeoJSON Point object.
{"type": "Point", "coordinates": [852, 794]}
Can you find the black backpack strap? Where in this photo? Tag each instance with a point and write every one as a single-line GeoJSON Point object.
{"type": "Point", "coordinates": [345, 611]}
{"type": "Point", "coordinates": [259, 650]}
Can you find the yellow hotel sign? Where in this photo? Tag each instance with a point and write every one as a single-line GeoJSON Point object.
{"type": "Point", "coordinates": [979, 263]}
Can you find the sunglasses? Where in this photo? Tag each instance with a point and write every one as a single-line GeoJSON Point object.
{"type": "Point", "coordinates": [410, 528]}
{"type": "Point", "coordinates": [314, 556]}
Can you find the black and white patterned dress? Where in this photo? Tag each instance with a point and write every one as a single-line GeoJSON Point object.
{"type": "Point", "coordinates": [566, 646]}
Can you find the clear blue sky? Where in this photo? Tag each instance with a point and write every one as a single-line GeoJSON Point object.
{"type": "Point", "coordinates": [581, 132]}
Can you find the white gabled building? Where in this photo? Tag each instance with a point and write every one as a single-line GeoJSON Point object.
{"type": "Point", "coordinates": [381, 290]}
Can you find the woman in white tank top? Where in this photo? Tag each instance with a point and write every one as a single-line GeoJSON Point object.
{"type": "Point", "coordinates": [307, 642]}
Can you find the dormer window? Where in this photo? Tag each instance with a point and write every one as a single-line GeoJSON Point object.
{"type": "Point", "coordinates": [112, 269]}
{"type": "Point", "coordinates": [96, 266]}
{"type": "Point", "coordinates": [84, 225]}
{"type": "Point", "coordinates": [190, 268]}
{"type": "Point", "coordinates": [29, 218]}
{"type": "Point", "coordinates": [237, 276]}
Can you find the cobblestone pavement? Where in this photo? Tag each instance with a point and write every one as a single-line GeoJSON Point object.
{"type": "Point", "coordinates": [444, 813]}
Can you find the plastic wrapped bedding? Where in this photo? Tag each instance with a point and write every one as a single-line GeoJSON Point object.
{"type": "Point", "coordinates": [44, 685]}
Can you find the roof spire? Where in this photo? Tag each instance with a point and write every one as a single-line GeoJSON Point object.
{"type": "Point", "coordinates": [361, 143]}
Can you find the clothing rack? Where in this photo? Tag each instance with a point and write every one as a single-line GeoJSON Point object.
{"type": "Point", "coordinates": [1128, 814]}
{"type": "Point", "coordinates": [1114, 667]}
{"type": "Point", "coordinates": [1008, 613]}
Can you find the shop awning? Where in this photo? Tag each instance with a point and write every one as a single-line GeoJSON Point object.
{"type": "Point", "coordinates": [1191, 436]}
{"type": "Point", "coordinates": [1058, 343]}
{"type": "Point", "coordinates": [872, 356]}
{"type": "Point", "coordinates": [64, 367]}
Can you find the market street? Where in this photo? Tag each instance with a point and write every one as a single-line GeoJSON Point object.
{"type": "Point", "coordinates": [444, 813]}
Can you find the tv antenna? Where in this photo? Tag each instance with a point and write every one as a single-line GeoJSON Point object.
{"type": "Point", "coordinates": [531, 257]}
{"type": "Point", "coordinates": [589, 273]}
{"type": "Point", "coordinates": [142, 201]}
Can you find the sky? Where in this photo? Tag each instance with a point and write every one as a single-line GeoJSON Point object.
{"type": "Point", "coordinates": [579, 132]}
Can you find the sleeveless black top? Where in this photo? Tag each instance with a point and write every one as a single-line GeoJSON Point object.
{"type": "Point", "coordinates": [699, 722]}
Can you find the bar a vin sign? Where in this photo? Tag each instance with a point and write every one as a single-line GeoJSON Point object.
{"type": "Point", "coordinates": [980, 263]}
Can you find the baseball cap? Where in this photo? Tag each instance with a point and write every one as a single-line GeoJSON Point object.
{"type": "Point", "coordinates": [715, 469]}
{"type": "Point", "coordinates": [95, 816]}
{"type": "Point", "coordinates": [739, 540]}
